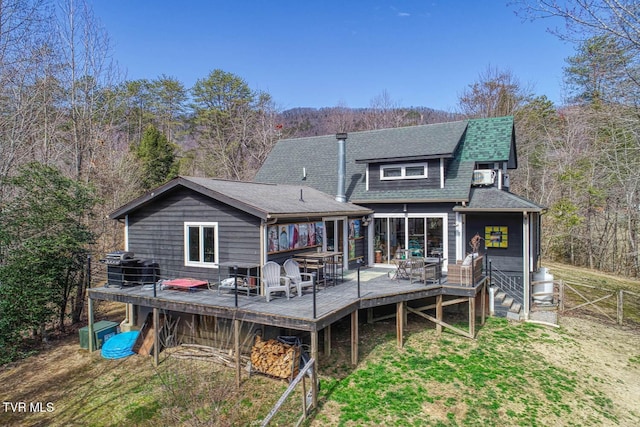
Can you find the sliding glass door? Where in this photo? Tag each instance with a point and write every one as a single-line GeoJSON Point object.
{"type": "Point", "coordinates": [418, 235]}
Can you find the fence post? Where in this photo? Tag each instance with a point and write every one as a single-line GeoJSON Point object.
{"type": "Point", "coordinates": [620, 306]}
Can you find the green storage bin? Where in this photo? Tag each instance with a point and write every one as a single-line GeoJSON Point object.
{"type": "Point", "coordinates": [102, 331]}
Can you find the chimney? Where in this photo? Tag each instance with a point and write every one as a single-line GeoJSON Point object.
{"type": "Point", "coordinates": [342, 166]}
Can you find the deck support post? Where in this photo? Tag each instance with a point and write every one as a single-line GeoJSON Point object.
{"type": "Point", "coordinates": [472, 317]}
{"type": "Point", "coordinates": [236, 345]}
{"type": "Point", "coordinates": [327, 341]}
{"type": "Point", "coordinates": [316, 367]}
{"type": "Point", "coordinates": [156, 337]}
{"type": "Point", "coordinates": [314, 346]}
{"type": "Point", "coordinates": [439, 314]}
{"type": "Point", "coordinates": [90, 326]}
{"type": "Point", "coordinates": [400, 323]}
{"type": "Point", "coordinates": [354, 337]}
{"type": "Point", "coordinates": [483, 303]}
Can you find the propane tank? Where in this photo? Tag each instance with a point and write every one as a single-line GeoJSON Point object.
{"type": "Point", "coordinates": [543, 286]}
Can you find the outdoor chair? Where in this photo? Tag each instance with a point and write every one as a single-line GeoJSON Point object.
{"type": "Point", "coordinates": [426, 270]}
{"type": "Point", "coordinates": [416, 270]}
{"type": "Point", "coordinates": [298, 279]}
{"type": "Point", "coordinates": [467, 272]}
{"type": "Point", "coordinates": [313, 265]}
{"type": "Point", "coordinates": [273, 281]}
{"type": "Point", "coordinates": [334, 269]}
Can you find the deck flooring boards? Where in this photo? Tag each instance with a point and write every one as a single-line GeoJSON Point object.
{"type": "Point", "coordinates": [332, 302]}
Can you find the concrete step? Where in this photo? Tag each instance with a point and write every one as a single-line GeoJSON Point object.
{"type": "Point", "coordinates": [515, 307]}
{"type": "Point", "coordinates": [500, 296]}
{"type": "Point", "coordinates": [545, 316]}
{"type": "Point", "coordinates": [500, 312]}
{"type": "Point", "coordinates": [513, 316]}
{"type": "Point", "coordinates": [507, 302]}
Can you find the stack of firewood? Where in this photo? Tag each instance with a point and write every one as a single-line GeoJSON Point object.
{"type": "Point", "coordinates": [275, 358]}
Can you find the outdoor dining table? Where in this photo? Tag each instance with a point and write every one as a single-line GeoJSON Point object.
{"type": "Point", "coordinates": [403, 265]}
{"type": "Point", "coordinates": [329, 261]}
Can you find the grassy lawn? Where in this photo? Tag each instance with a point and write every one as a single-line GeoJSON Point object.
{"type": "Point", "coordinates": [501, 379]}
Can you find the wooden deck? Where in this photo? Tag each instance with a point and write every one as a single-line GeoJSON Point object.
{"type": "Point", "coordinates": [332, 303]}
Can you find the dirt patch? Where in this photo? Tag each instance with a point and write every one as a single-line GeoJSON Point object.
{"type": "Point", "coordinates": [605, 356]}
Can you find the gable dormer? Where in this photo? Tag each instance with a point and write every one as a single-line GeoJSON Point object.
{"type": "Point", "coordinates": [406, 174]}
{"type": "Point", "coordinates": [490, 144]}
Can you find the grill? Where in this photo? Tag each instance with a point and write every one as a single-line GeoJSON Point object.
{"type": "Point", "coordinates": [148, 272]}
{"type": "Point", "coordinates": [117, 257]}
{"type": "Point", "coordinates": [122, 268]}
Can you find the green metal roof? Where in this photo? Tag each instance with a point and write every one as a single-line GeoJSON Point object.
{"type": "Point", "coordinates": [489, 140]}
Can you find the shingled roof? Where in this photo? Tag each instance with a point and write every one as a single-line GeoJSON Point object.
{"type": "Point", "coordinates": [490, 140]}
{"type": "Point", "coordinates": [313, 160]}
{"type": "Point", "coordinates": [490, 199]}
{"type": "Point", "coordinates": [262, 200]}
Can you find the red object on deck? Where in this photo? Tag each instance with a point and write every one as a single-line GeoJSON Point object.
{"type": "Point", "coordinates": [185, 283]}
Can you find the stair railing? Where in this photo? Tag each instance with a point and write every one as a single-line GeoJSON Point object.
{"type": "Point", "coordinates": [507, 284]}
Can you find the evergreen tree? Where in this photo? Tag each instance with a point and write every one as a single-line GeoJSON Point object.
{"type": "Point", "coordinates": [234, 126]}
{"type": "Point", "coordinates": [600, 71]}
{"type": "Point", "coordinates": [158, 158]}
{"type": "Point", "coordinates": [44, 241]}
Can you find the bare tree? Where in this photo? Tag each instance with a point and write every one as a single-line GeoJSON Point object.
{"type": "Point", "coordinates": [22, 31]}
{"type": "Point", "coordinates": [340, 118]}
{"type": "Point", "coordinates": [587, 18]}
{"type": "Point", "coordinates": [496, 93]}
{"type": "Point", "coordinates": [87, 71]}
{"type": "Point", "coordinates": [384, 112]}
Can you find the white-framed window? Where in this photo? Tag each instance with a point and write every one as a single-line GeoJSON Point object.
{"type": "Point", "coordinates": [201, 244]}
{"type": "Point", "coordinates": [403, 171]}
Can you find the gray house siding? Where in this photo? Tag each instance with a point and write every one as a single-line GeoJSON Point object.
{"type": "Point", "coordinates": [508, 260]}
{"type": "Point", "coordinates": [156, 233]}
{"type": "Point", "coordinates": [432, 180]}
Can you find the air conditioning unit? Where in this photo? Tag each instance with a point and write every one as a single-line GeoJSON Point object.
{"type": "Point", "coordinates": [483, 177]}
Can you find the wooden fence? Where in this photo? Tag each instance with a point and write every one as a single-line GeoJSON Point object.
{"type": "Point", "coordinates": [309, 398]}
{"type": "Point", "coordinates": [616, 305]}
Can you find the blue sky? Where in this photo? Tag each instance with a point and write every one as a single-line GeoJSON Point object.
{"type": "Point", "coordinates": [311, 53]}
